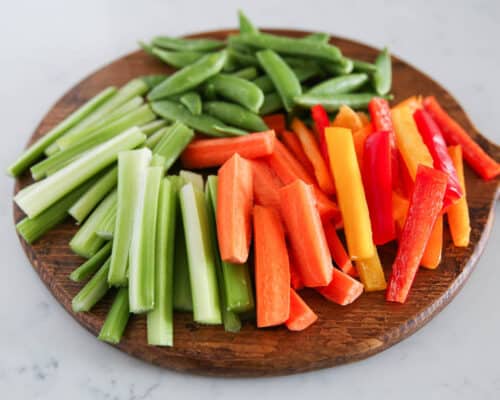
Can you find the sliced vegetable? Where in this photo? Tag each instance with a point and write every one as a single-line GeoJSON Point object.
{"type": "Point", "coordinates": [359, 138]}
{"type": "Point", "coordinates": [173, 143]}
{"type": "Point", "coordinates": [333, 102]}
{"type": "Point", "coordinates": [343, 289]}
{"type": "Point", "coordinates": [293, 144]}
{"type": "Point", "coordinates": [382, 77]}
{"type": "Point", "coordinates": [235, 115]}
{"type": "Point", "coordinates": [434, 249]}
{"type": "Point", "coordinates": [301, 316]}
{"type": "Point", "coordinates": [347, 118]}
{"type": "Point", "coordinates": [89, 267]}
{"type": "Point", "coordinates": [92, 292]}
{"type": "Point", "coordinates": [371, 273]}
{"type": "Point", "coordinates": [117, 318]}
{"type": "Point", "coordinates": [183, 300]}
{"type": "Point", "coordinates": [321, 121]}
{"type": "Point", "coordinates": [276, 122]}
{"type": "Point", "coordinates": [182, 44]}
{"type": "Point", "coordinates": [265, 184]}
{"type": "Point", "coordinates": [337, 249]}
{"type": "Point", "coordinates": [152, 127]}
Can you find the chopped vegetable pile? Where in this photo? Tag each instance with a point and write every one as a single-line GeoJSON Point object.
{"type": "Point", "coordinates": [304, 150]}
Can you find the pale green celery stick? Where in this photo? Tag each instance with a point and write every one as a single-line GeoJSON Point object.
{"type": "Point", "coordinates": [89, 267]}
{"type": "Point", "coordinates": [34, 201]}
{"type": "Point", "coordinates": [86, 242]}
{"type": "Point", "coordinates": [52, 164]}
{"type": "Point", "coordinates": [160, 319]}
{"type": "Point", "coordinates": [132, 167]}
{"type": "Point", "coordinates": [89, 200]}
{"type": "Point", "coordinates": [117, 319]}
{"type": "Point", "coordinates": [106, 227]}
{"type": "Point", "coordinates": [201, 257]}
{"type": "Point", "coordinates": [32, 229]}
{"type": "Point", "coordinates": [141, 273]}
{"type": "Point", "coordinates": [34, 152]}
{"type": "Point", "coordinates": [155, 138]}
{"type": "Point", "coordinates": [93, 291]}
{"type": "Point", "coordinates": [152, 127]}
{"type": "Point", "coordinates": [135, 87]}
{"type": "Point", "coordinates": [194, 178]}
{"type": "Point", "coordinates": [236, 282]}
{"type": "Point", "coordinates": [230, 319]}
{"type": "Point", "coordinates": [173, 143]}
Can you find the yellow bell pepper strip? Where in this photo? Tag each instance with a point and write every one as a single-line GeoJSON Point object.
{"type": "Point", "coordinates": [409, 142]}
{"type": "Point", "coordinates": [458, 213]}
{"type": "Point", "coordinates": [434, 248]}
{"type": "Point", "coordinates": [425, 206]}
{"type": "Point", "coordinates": [371, 273]}
{"type": "Point", "coordinates": [350, 192]}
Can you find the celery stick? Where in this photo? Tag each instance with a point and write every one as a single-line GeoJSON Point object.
{"type": "Point", "coordinates": [173, 143]}
{"type": "Point", "coordinates": [36, 150]}
{"type": "Point", "coordinates": [86, 242]}
{"type": "Point", "coordinates": [89, 200]}
{"type": "Point", "coordinates": [160, 319]}
{"type": "Point", "coordinates": [45, 193]}
{"type": "Point", "coordinates": [153, 126]}
{"type": "Point", "coordinates": [142, 247]}
{"type": "Point", "coordinates": [230, 319]}
{"type": "Point", "coordinates": [155, 137]}
{"type": "Point", "coordinates": [183, 300]}
{"type": "Point", "coordinates": [92, 292]}
{"type": "Point", "coordinates": [52, 164]}
{"type": "Point", "coordinates": [106, 227]}
{"type": "Point", "coordinates": [117, 319]}
{"type": "Point", "coordinates": [236, 281]}
{"type": "Point", "coordinates": [32, 229]}
{"type": "Point", "coordinates": [132, 167]}
{"type": "Point", "coordinates": [89, 267]}
{"type": "Point", "coordinates": [201, 257]}
{"type": "Point", "coordinates": [194, 178]}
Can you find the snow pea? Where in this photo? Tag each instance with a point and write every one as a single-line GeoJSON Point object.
{"type": "Point", "coordinates": [192, 101]}
{"type": "Point", "coordinates": [339, 68]}
{"type": "Point", "coordinates": [243, 58]}
{"type": "Point", "coordinates": [333, 102]}
{"type": "Point", "coordinates": [238, 90]}
{"type": "Point", "coordinates": [340, 84]}
{"type": "Point", "coordinates": [235, 115]}
{"type": "Point", "coordinates": [382, 77]}
{"type": "Point", "coordinates": [153, 80]}
{"type": "Point", "coordinates": [181, 44]}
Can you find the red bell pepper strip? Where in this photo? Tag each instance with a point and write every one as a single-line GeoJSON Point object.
{"type": "Point", "coordinates": [405, 177]}
{"type": "Point", "coordinates": [337, 249]}
{"type": "Point", "coordinates": [454, 134]}
{"type": "Point", "coordinates": [433, 139]}
{"type": "Point", "coordinates": [321, 121]}
{"type": "Point", "coordinates": [378, 184]}
{"type": "Point", "coordinates": [425, 206]}
{"type": "Point", "coordinates": [276, 122]}
{"type": "Point", "coordinates": [342, 289]}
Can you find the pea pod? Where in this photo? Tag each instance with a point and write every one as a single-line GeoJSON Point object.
{"type": "Point", "coordinates": [189, 77]}
{"type": "Point", "coordinates": [235, 115]}
{"type": "Point", "coordinates": [247, 73]}
{"type": "Point", "coordinates": [192, 101]}
{"type": "Point", "coordinates": [303, 74]}
{"type": "Point", "coordinates": [181, 44]}
{"type": "Point", "coordinates": [339, 68]}
{"type": "Point", "coordinates": [172, 111]}
{"type": "Point", "coordinates": [153, 80]}
{"type": "Point", "coordinates": [282, 76]}
{"type": "Point", "coordinates": [333, 102]}
{"type": "Point", "coordinates": [363, 66]}
{"type": "Point", "coordinates": [238, 90]}
{"type": "Point", "coordinates": [177, 59]}
{"type": "Point", "coordinates": [148, 48]}
{"type": "Point", "coordinates": [245, 24]}
{"type": "Point", "coordinates": [340, 84]}
{"type": "Point", "coordinates": [382, 77]}
{"type": "Point", "coordinates": [272, 103]}
{"type": "Point", "coordinates": [320, 37]}
{"type": "Point", "coordinates": [231, 64]}
{"type": "Point", "coordinates": [242, 58]}
{"type": "Point", "coordinates": [230, 130]}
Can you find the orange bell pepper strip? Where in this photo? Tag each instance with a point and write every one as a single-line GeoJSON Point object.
{"type": "Point", "coordinates": [400, 207]}
{"type": "Point", "coordinates": [359, 138]}
{"type": "Point", "coordinates": [347, 118]}
{"type": "Point", "coordinates": [425, 207]}
{"type": "Point", "coordinates": [342, 289]}
{"type": "Point", "coordinates": [458, 213]}
{"type": "Point", "coordinates": [265, 184]}
{"type": "Point", "coordinates": [337, 249]}
{"type": "Point", "coordinates": [276, 122]}
{"type": "Point", "coordinates": [365, 120]}
{"type": "Point", "coordinates": [313, 153]}
{"type": "Point", "coordinates": [434, 248]}
{"type": "Point", "coordinates": [301, 315]}
{"type": "Point", "coordinates": [414, 103]}
{"type": "Point", "coordinates": [292, 142]}
{"type": "Point", "coordinates": [371, 273]}
{"type": "Point", "coordinates": [453, 133]}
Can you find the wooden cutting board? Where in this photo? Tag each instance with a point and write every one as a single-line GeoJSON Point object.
{"type": "Point", "coordinates": [342, 334]}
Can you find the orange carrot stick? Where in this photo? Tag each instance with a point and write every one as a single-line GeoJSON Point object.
{"type": "Point", "coordinates": [276, 122]}
{"type": "Point", "coordinates": [347, 118]}
{"type": "Point", "coordinates": [306, 233]}
{"type": "Point", "coordinates": [295, 279]}
{"type": "Point", "coordinates": [301, 315]}
{"type": "Point", "coordinates": [265, 184]}
{"type": "Point", "coordinates": [292, 142]}
{"type": "Point", "coordinates": [342, 289]}
{"type": "Point", "coordinates": [434, 248]}
{"type": "Point", "coordinates": [205, 153]}
{"type": "Point", "coordinates": [272, 268]}
{"type": "Point", "coordinates": [337, 250]}
{"type": "Point", "coordinates": [234, 209]}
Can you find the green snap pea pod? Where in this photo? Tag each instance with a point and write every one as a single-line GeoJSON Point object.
{"type": "Point", "coordinates": [272, 103]}
{"type": "Point", "coordinates": [203, 123]}
{"type": "Point", "coordinates": [242, 58]}
{"type": "Point", "coordinates": [363, 66]}
{"type": "Point", "coordinates": [248, 73]}
{"type": "Point", "coordinates": [320, 37]}
{"type": "Point", "coordinates": [303, 74]}
{"type": "Point", "coordinates": [231, 64]}
{"type": "Point", "coordinates": [177, 59]}
{"type": "Point", "coordinates": [282, 76]}
{"type": "Point", "coordinates": [239, 90]}
{"type": "Point", "coordinates": [235, 115]}
{"type": "Point", "coordinates": [246, 26]}
{"type": "Point", "coordinates": [117, 318]}
{"type": "Point", "coordinates": [333, 102]}
{"type": "Point", "coordinates": [189, 77]}
{"type": "Point", "coordinates": [154, 80]}
{"type": "Point", "coordinates": [382, 77]}
{"type": "Point", "coordinates": [208, 91]}
{"type": "Point", "coordinates": [340, 84]}
{"type": "Point", "coordinates": [230, 130]}
{"type": "Point", "coordinates": [147, 47]}
{"type": "Point", "coordinates": [181, 44]}
{"type": "Point", "coordinates": [339, 68]}
{"type": "Point", "coordinates": [192, 101]}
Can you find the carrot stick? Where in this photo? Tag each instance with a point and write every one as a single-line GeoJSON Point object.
{"type": "Point", "coordinates": [337, 250]}
{"type": "Point", "coordinates": [276, 122]}
{"type": "Point", "coordinates": [292, 142]}
{"type": "Point", "coordinates": [347, 118]}
{"type": "Point", "coordinates": [313, 153]}
{"type": "Point", "coordinates": [265, 184]}
{"type": "Point", "coordinates": [295, 278]}
{"type": "Point", "coordinates": [205, 153]}
{"type": "Point", "coordinates": [371, 273]}
{"type": "Point", "coordinates": [434, 248]}
{"type": "Point", "coordinates": [272, 268]}
{"type": "Point", "coordinates": [306, 233]}
{"type": "Point", "coordinates": [359, 138]}
{"type": "Point", "coordinates": [234, 209]}
{"type": "Point", "coordinates": [342, 289]}
{"type": "Point", "coordinates": [458, 213]}
{"type": "Point", "coordinates": [301, 316]}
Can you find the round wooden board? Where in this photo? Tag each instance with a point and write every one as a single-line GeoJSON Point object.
{"type": "Point", "coordinates": [342, 334]}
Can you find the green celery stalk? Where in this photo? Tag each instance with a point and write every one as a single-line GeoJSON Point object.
{"type": "Point", "coordinates": [160, 319]}
{"type": "Point", "coordinates": [194, 178]}
{"type": "Point", "coordinates": [40, 196]}
{"type": "Point", "coordinates": [132, 166]}
{"type": "Point", "coordinates": [92, 292]}
{"type": "Point", "coordinates": [32, 229]}
{"type": "Point", "coordinates": [173, 143]}
{"type": "Point", "coordinates": [89, 200]}
{"type": "Point", "coordinates": [117, 319]}
{"type": "Point", "coordinates": [155, 137]}
{"type": "Point", "coordinates": [236, 282]}
{"type": "Point", "coordinates": [86, 242]}
{"type": "Point", "coordinates": [34, 152]}
{"type": "Point", "coordinates": [153, 126]}
{"type": "Point", "coordinates": [106, 228]}
{"type": "Point", "coordinates": [89, 267]}
{"type": "Point", "coordinates": [142, 247]}
{"type": "Point", "coordinates": [201, 257]}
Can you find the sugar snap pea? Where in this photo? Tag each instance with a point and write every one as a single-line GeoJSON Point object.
{"type": "Point", "coordinates": [177, 59]}
{"type": "Point", "coordinates": [147, 47]}
{"type": "Point", "coordinates": [230, 130]}
{"type": "Point", "coordinates": [189, 77]}
{"type": "Point", "coordinates": [272, 103]}
{"type": "Point", "coordinates": [192, 101]}
{"type": "Point", "coordinates": [243, 58]}
{"type": "Point", "coordinates": [333, 102]}
{"type": "Point", "coordinates": [339, 68]}
{"type": "Point", "coordinates": [303, 74]}
{"type": "Point", "coordinates": [181, 44]}
{"type": "Point", "coordinates": [153, 80]}
{"type": "Point", "coordinates": [246, 26]}
{"type": "Point", "coordinates": [340, 84]}
{"type": "Point", "coordinates": [382, 77]}
{"type": "Point", "coordinates": [320, 37]}
{"type": "Point", "coordinates": [248, 73]}
{"type": "Point", "coordinates": [363, 66]}
{"type": "Point", "coordinates": [282, 76]}
{"type": "Point", "coordinates": [234, 115]}
{"type": "Point", "coordinates": [238, 90]}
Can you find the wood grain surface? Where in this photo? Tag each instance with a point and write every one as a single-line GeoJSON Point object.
{"type": "Point", "coordinates": [342, 334]}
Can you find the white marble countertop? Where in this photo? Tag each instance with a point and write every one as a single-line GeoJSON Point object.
{"type": "Point", "coordinates": [48, 46]}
